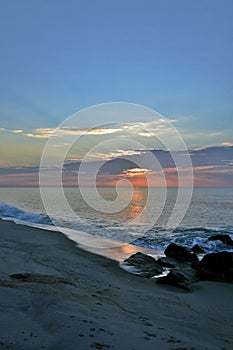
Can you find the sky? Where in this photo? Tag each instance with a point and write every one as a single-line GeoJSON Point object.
{"type": "Point", "coordinates": [58, 57]}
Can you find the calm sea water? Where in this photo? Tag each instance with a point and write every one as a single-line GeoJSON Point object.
{"type": "Point", "coordinates": [210, 212]}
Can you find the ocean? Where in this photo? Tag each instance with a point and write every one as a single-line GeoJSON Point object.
{"type": "Point", "coordinates": [210, 212]}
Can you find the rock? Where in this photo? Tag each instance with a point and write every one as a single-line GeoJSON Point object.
{"type": "Point", "coordinates": [167, 262]}
{"type": "Point", "coordinates": [226, 239]}
{"type": "Point", "coordinates": [197, 249]}
{"type": "Point", "coordinates": [216, 267]}
{"type": "Point", "coordinates": [140, 259]}
{"type": "Point", "coordinates": [182, 278]}
{"type": "Point", "coordinates": [146, 265]}
{"type": "Point", "coordinates": [179, 253]}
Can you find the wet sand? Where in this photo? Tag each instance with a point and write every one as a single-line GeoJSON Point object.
{"type": "Point", "coordinates": [54, 295]}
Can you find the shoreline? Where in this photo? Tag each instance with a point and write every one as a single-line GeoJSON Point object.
{"type": "Point", "coordinates": [106, 247]}
{"type": "Point", "coordinates": [75, 299]}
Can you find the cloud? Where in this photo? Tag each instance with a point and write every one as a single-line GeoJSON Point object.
{"type": "Point", "coordinates": [112, 155]}
{"type": "Point", "coordinates": [212, 166]}
{"type": "Point", "coordinates": [13, 131]}
{"type": "Point", "coordinates": [151, 129]}
{"type": "Point", "coordinates": [217, 169]}
{"type": "Point", "coordinates": [135, 172]}
{"type": "Point", "coordinates": [46, 133]}
{"type": "Point", "coordinates": [227, 144]}
{"type": "Point", "coordinates": [16, 131]}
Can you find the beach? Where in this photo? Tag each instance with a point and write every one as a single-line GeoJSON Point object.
{"type": "Point", "coordinates": [54, 295]}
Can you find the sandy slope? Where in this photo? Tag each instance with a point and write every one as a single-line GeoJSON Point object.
{"type": "Point", "coordinates": [78, 300]}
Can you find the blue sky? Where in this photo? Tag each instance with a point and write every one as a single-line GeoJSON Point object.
{"type": "Point", "coordinates": [57, 57]}
{"type": "Point", "coordinates": [60, 56]}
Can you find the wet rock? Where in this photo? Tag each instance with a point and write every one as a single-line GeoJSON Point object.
{"type": "Point", "coordinates": [216, 267]}
{"type": "Point", "coordinates": [184, 267]}
{"type": "Point", "coordinates": [167, 262]}
{"type": "Point", "coordinates": [197, 249]}
{"type": "Point", "coordinates": [146, 265]}
{"type": "Point", "coordinates": [179, 253]}
{"type": "Point", "coordinates": [182, 278]}
{"type": "Point", "coordinates": [226, 239]}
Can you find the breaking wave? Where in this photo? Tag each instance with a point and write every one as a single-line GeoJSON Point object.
{"type": "Point", "coordinates": [10, 212]}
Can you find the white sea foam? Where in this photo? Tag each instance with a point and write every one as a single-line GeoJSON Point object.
{"type": "Point", "coordinates": [10, 212]}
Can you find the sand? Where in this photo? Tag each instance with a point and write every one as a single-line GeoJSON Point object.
{"type": "Point", "coordinates": [74, 299]}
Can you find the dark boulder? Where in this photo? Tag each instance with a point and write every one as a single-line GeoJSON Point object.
{"type": "Point", "coordinates": [182, 278]}
{"type": "Point", "coordinates": [197, 249]}
{"type": "Point", "coordinates": [226, 239]}
{"type": "Point", "coordinates": [216, 267]}
{"type": "Point", "coordinates": [145, 265]}
{"type": "Point", "coordinates": [167, 262]}
{"type": "Point", "coordinates": [180, 253]}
